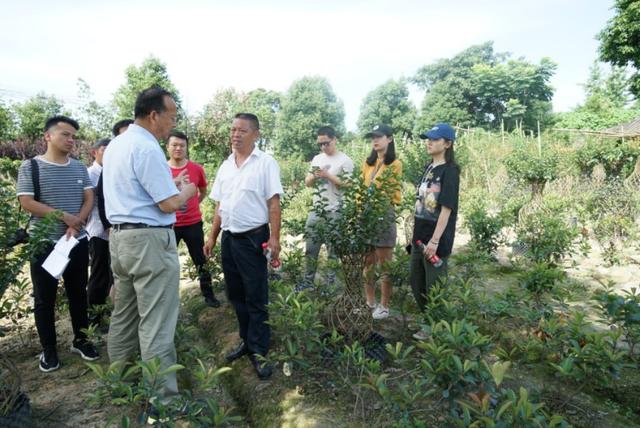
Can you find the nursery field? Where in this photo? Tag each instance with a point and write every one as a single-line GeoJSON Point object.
{"type": "Point", "coordinates": [538, 324]}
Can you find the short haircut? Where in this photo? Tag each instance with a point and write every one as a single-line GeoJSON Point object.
{"type": "Point", "coordinates": [54, 120]}
{"type": "Point", "coordinates": [120, 124]}
{"type": "Point", "coordinates": [327, 131]}
{"type": "Point", "coordinates": [250, 117]}
{"type": "Point", "coordinates": [100, 143]}
{"type": "Point", "coordinates": [178, 134]}
{"type": "Point", "coordinates": [151, 99]}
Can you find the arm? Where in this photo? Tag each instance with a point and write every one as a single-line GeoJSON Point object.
{"type": "Point", "coordinates": [213, 234]}
{"type": "Point", "coordinates": [39, 209]}
{"type": "Point", "coordinates": [309, 179]}
{"type": "Point", "coordinates": [443, 218]}
{"type": "Point", "coordinates": [274, 224]}
{"type": "Point", "coordinates": [202, 193]}
{"type": "Point", "coordinates": [326, 174]}
{"type": "Point", "coordinates": [102, 211]}
{"type": "Point", "coordinates": [173, 203]}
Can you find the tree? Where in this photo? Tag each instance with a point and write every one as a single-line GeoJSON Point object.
{"type": "Point", "coordinates": [152, 72]}
{"type": "Point", "coordinates": [213, 127]}
{"type": "Point", "coordinates": [308, 104]}
{"type": "Point", "coordinates": [7, 125]}
{"type": "Point", "coordinates": [265, 104]}
{"type": "Point", "coordinates": [607, 101]}
{"type": "Point", "coordinates": [33, 113]}
{"type": "Point", "coordinates": [95, 119]}
{"type": "Point", "coordinates": [479, 87]}
{"type": "Point", "coordinates": [620, 39]}
{"type": "Point", "coordinates": [388, 103]}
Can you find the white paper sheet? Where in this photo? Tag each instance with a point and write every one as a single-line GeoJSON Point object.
{"type": "Point", "coordinates": [58, 260]}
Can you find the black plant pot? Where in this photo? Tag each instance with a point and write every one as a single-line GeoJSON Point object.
{"type": "Point", "coordinates": [20, 417]}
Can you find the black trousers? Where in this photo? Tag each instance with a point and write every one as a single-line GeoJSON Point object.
{"type": "Point", "coordinates": [193, 236]}
{"type": "Point", "coordinates": [101, 278]}
{"type": "Point", "coordinates": [45, 289]}
{"type": "Point", "coordinates": [245, 273]}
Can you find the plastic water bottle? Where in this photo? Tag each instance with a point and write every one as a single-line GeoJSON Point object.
{"type": "Point", "coordinates": [435, 260]}
{"type": "Point", "coordinates": [276, 265]}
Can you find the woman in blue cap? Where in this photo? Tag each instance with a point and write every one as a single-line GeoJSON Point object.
{"type": "Point", "coordinates": [435, 215]}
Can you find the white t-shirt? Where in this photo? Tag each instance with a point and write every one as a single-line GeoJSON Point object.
{"type": "Point", "coordinates": [243, 192]}
{"type": "Point", "coordinates": [337, 164]}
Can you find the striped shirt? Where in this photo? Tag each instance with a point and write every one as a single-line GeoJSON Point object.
{"type": "Point", "coordinates": [62, 187]}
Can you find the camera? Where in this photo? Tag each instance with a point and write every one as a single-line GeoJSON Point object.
{"type": "Point", "coordinates": [20, 236]}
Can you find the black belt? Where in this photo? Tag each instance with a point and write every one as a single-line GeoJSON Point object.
{"type": "Point", "coordinates": [248, 233]}
{"type": "Point", "coordinates": [129, 226]}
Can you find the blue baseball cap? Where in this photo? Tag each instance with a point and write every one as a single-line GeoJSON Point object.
{"type": "Point", "coordinates": [441, 130]}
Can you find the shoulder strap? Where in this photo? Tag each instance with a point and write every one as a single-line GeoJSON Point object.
{"type": "Point", "coordinates": [35, 178]}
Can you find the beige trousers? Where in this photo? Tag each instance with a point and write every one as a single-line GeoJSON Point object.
{"type": "Point", "coordinates": [146, 274]}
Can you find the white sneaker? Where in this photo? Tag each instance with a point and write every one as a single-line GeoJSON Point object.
{"type": "Point", "coordinates": [420, 335]}
{"type": "Point", "coordinates": [372, 306]}
{"type": "Point", "coordinates": [380, 313]}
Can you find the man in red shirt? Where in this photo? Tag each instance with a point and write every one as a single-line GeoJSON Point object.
{"type": "Point", "coordinates": [188, 225]}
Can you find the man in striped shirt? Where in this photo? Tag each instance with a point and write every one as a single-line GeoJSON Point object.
{"type": "Point", "coordinates": [65, 187]}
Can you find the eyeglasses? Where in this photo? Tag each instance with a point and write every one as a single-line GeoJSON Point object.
{"type": "Point", "coordinates": [324, 143]}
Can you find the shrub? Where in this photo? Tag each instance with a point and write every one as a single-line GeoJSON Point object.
{"type": "Point", "coordinates": [616, 156]}
{"type": "Point", "coordinates": [613, 209]}
{"type": "Point", "coordinates": [540, 280]}
{"type": "Point", "coordinates": [621, 312]}
{"type": "Point", "coordinates": [485, 229]}
{"type": "Point", "coordinates": [545, 234]}
{"type": "Point", "coordinates": [535, 167]}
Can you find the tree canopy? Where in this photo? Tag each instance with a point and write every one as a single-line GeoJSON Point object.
{"type": "Point", "coordinates": [308, 104]}
{"type": "Point", "coordinates": [152, 72]}
{"type": "Point", "coordinates": [479, 87]}
{"type": "Point", "coordinates": [620, 39]}
{"type": "Point", "coordinates": [388, 103]}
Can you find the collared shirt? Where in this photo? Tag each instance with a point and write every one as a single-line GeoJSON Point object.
{"type": "Point", "coordinates": [243, 192]}
{"type": "Point", "coordinates": [135, 178]}
{"type": "Point", "coordinates": [94, 225]}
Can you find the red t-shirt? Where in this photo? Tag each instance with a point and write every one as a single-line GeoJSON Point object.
{"type": "Point", "coordinates": [189, 213]}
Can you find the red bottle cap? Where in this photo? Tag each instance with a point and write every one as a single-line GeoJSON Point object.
{"type": "Point", "coordinates": [418, 242]}
{"type": "Point", "coordinates": [265, 245]}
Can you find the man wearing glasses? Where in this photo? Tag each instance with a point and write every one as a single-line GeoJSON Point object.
{"type": "Point", "coordinates": [326, 168]}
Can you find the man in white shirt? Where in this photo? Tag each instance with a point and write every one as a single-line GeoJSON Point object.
{"type": "Point", "coordinates": [101, 278]}
{"type": "Point", "coordinates": [247, 188]}
{"type": "Point", "coordinates": [326, 169]}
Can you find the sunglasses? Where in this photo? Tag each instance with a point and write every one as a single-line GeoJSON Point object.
{"type": "Point", "coordinates": [324, 143]}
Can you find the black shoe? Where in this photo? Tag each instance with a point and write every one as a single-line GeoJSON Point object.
{"type": "Point", "coordinates": [85, 349]}
{"type": "Point", "coordinates": [263, 369]}
{"type": "Point", "coordinates": [212, 302]}
{"type": "Point", "coordinates": [49, 361]}
{"type": "Point", "coordinates": [239, 352]}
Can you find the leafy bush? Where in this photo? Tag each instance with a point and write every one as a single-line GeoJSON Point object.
{"type": "Point", "coordinates": [533, 166]}
{"type": "Point", "coordinates": [621, 312]}
{"type": "Point", "coordinates": [612, 208]}
{"type": "Point", "coordinates": [617, 157]}
{"type": "Point", "coordinates": [452, 357]}
{"type": "Point", "coordinates": [546, 234]}
{"type": "Point", "coordinates": [540, 279]}
{"type": "Point", "coordinates": [485, 228]}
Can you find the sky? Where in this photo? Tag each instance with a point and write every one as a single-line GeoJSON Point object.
{"type": "Point", "coordinates": [210, 45]}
